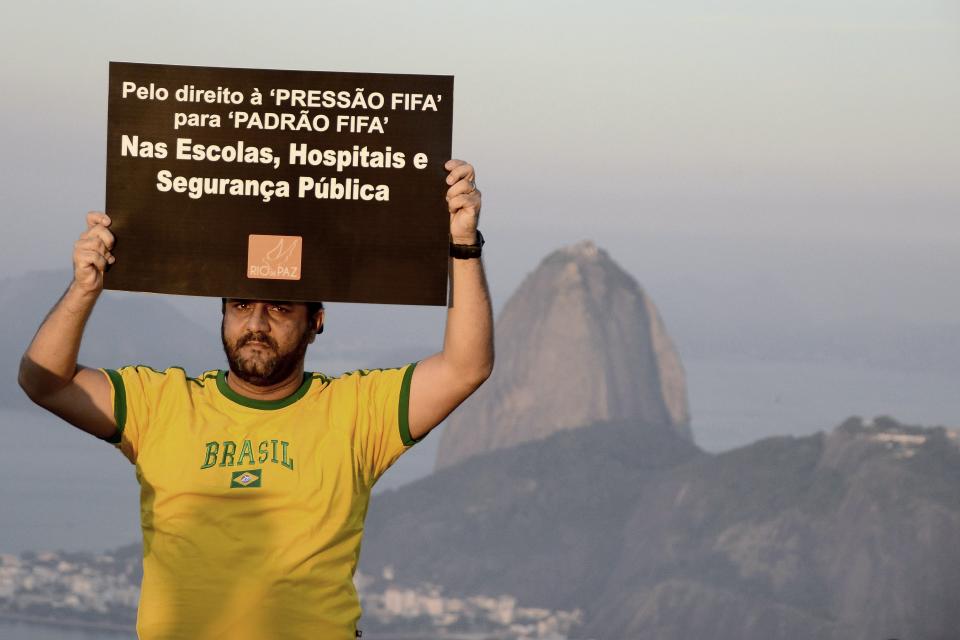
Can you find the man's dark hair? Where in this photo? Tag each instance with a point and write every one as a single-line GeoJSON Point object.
{"type": "Point", "coordinates": [312, 308]}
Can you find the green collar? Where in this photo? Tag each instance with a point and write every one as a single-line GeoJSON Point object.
{"type": "Point", "coordinates": [230, 394]}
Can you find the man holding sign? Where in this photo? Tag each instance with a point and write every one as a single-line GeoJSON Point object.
{"type": "Point", "coordinates": [255, 481]}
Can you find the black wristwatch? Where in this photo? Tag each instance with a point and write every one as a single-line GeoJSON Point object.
{"type": "Point", "coordinates": [467, 251]}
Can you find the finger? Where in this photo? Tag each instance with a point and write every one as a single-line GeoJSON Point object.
{"type": "Point", "coordinates": [460, 172]}
{"type": "Point", "coordinates": [450, 164]}
{"type": "Point", "coordinates": [463, 186]}
{"type": "Point", "coordinates": [92, 258]}
{"type": "Point", "coordinates": [97, 217]}
{"type": "Point", "coordinates": [96, 245]}
{"type": "Point", "coordinates": [104, 234]}
{"type": "Point", "coordinates": [91, 243]}
{"type": "Point", "coordinates": [467, 202]}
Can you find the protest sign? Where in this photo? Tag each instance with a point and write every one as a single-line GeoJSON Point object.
{"type": "Point", "coordinates": [279, 185]}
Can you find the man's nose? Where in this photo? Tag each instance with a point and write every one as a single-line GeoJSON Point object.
{"type": "Point", "coordinates": [258, 319]}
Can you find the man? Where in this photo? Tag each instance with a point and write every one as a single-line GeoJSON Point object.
{"type": "Point", "coordinates": [255, 481]}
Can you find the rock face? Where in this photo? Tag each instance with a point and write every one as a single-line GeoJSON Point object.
{"type": "Point", "coordinates": [843, 536]}
{"type": "Point", "coordinates": [578, 343]}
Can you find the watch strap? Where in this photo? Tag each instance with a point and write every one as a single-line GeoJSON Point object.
{"type": "Point", "coordinates": [467, 251]}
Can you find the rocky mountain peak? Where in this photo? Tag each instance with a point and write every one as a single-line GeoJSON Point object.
{"type": "Point", "coordinates": [578, 343]}
{"type": "Point", "coordinates": [584, 249]}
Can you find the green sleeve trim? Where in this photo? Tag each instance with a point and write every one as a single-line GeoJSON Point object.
{"type": "Point", "coordinates": [404, 409]}
{"type": "Point", "coordinates": [119, 404]}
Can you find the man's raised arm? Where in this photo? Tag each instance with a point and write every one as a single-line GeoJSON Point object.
{"type": "Point", "coordinates": [49, 373]}
{"type": "Point", "coordinates": [444, 380]}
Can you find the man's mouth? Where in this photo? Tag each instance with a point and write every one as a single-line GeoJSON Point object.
{"type": "Point", "coordinates": [258, 343]}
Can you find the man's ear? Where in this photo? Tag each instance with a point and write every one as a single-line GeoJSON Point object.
{"type": "Point", "coordinates": [318, 320]}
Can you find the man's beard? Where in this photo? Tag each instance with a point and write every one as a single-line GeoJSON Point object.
{"type": "Point", "coordinates": [270, 370]}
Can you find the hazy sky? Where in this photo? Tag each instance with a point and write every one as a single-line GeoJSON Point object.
{"type": "Point", "coordinates": [795, 159]}
{"type": "Point", "coordinates": [766, 168]}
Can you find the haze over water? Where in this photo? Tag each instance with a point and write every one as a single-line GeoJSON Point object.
{"type": "Point", "coordinates": [62, 489]}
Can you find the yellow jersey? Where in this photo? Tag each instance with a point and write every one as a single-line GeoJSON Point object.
{"type": "Point", "coordinates": [252, 511]}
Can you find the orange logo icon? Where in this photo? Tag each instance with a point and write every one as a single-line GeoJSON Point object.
{"type": "Point", "coordinates": [274, 257]}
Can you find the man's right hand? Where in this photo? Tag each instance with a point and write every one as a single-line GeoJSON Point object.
{"type": "Point", "coordinates": [92, 254]}
{"type": "Point", "coordinates": [49, 372]}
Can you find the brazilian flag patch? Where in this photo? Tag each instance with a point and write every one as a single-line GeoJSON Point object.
{"type": "Point", "coordinates": [245, 479]}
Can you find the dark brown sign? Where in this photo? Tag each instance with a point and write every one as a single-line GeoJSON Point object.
{"type": "Point", "coordinates": [281, 185]}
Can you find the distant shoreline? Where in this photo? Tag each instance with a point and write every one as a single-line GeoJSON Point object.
{"type": "Point", "coordinates": [66, 623]}
{"type": "Point", "coordinates": [87, 625]}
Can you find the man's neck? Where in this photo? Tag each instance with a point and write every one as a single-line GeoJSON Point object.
{"type": "Point", "coordinates": [277, 391]}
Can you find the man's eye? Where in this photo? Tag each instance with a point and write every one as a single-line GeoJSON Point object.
{"type": "Point", "coordinates": [280, 308]}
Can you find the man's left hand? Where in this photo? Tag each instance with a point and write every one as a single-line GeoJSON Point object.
{"type": "Point", "coordinates": [463, 201]}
